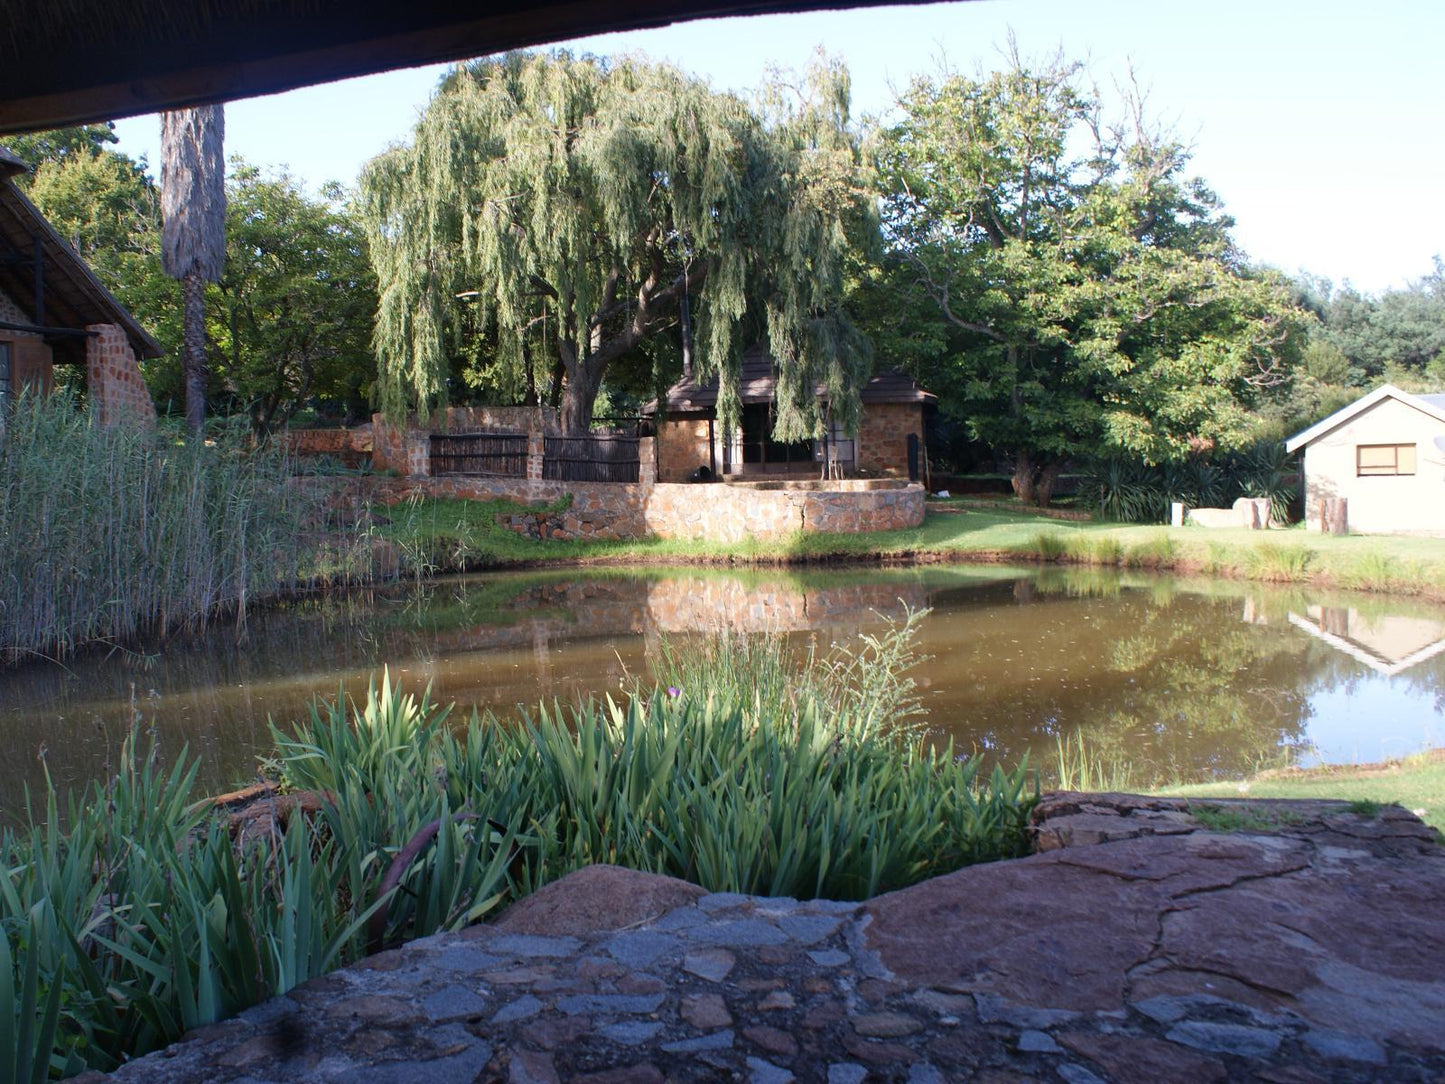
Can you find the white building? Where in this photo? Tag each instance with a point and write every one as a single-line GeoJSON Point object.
{"type": "Point", "coordinates": [1385, 454]}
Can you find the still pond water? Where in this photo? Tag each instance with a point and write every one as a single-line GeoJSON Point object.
{"type": "Point", "coordinates": [1179, 679]}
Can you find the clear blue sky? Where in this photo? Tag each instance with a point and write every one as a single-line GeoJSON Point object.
{"type": "Point", "coordinates": [1321, 124]}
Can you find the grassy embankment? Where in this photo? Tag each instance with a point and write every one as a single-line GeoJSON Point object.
{"type": "Point", "coordinates": [457, 534]}
{"type": "Point", "coordinates": [1416, 782]}
{"type": "Point", "coordinates": [743, 770]}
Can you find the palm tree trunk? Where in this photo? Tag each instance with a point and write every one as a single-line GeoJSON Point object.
{"type": "Point", "coordinates": [193, 290]}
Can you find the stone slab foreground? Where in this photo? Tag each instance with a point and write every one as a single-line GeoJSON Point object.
{"type": "Point", "coordinates": [1146, 942]}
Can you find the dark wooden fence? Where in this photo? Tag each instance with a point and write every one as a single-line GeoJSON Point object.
{"type": "Point", "coordinates": [501, 454]}
{"type": "Point", "coordinates": [590, 459]}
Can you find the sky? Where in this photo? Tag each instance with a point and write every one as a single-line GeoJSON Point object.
{"type": "Point", "coordinates": [1318, 123]}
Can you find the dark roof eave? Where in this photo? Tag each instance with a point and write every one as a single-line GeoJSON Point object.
{"type": "Point", "coordinates": [85, 290]}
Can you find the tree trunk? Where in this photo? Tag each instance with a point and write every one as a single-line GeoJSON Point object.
{"type": "Point", "coordinates": [578, 399]}
{"type": "Point", "coordinates": [1048, 478]}
{"type": "Point", "coordinates": [193, 291]}
{"type": "Point", "coordinates": [1023, 479]}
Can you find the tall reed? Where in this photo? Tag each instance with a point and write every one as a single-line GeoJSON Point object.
{"type": "Point", "coordinates": [109, 533]}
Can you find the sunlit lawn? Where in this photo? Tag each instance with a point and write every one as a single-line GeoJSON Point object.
{"type": "Point", "coordinates": [465, 529]}
{"type": "Point", "coordinates": [1417, 783]}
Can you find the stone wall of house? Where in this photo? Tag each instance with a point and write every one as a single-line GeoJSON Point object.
{"type": "Point", "coordinates": [682, 447]}
{"type": "Point", "coordinates": [118, 393]}
{"type": "Point", "coordinates": [883, 437]}
{"type": "Point", "coordinates": [32, 364]}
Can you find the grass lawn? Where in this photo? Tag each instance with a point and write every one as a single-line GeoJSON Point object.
{"type": "Point", "coordinates": [1416, 782]}
{"type": "Point", "coordinates": [454, 533]}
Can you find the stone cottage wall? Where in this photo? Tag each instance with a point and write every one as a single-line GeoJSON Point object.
{"type": "Point", "coordinates": [681, 447]}
{"type": "Point", "coordinates": [118, 393]}
{"type": "Point", "coordinates": [883, 437]}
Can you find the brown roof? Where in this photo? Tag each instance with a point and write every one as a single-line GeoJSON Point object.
{"type": "Point", "coordinates": [11, 163]}
{"type": "Point", "coordinates": [74, 297]}
{"type": "Point", "coordinates": [70, 61]}
{"type": "Point", "coordinates": [758, 381]}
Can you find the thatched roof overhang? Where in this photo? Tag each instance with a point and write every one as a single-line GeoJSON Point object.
{"type": "Point", "coordinates": [758, 381]}
{"type": "Point", "coordinates": [65, 296]}
{"type": "Point", "coordinates": [73, 61]}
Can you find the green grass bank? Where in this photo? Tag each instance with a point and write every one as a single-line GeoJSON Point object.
{"type": "Point", "coordinates": [437, 534]}
{"type": "Point", "coordinates": [1416, 782]}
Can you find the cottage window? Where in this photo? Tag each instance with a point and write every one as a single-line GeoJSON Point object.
{"type": "Point", "coordinates": [1384, 459]}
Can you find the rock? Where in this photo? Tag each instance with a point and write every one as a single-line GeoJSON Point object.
{"type": "Point", "coordinates": [738, 933]}
{"type": "Point", "coordinates": [1038, 1042]}
{"type": "Point", "coordinates": [773, 1040]}
{"type": "Point", "coordinates": [765, 1072]}
{"type": "Point", "coordinates": [846, 1073]}
{"type": "Point", "coordinates": [520, 1009]}
{"type": "Point", "coordinates": [596, 898]}
{"type": "Point", "coordinates": [712, 965]}
{"type": "Point", "coordinates": [717, 1040]}
{"type": "Point", "coordinates": [1237, 1039]}
{"type": "Point", "coordinates": [1136, 1059]}
{"type": "Point", "coordinates": [706, 1011]}
{"type": "Point", "coordinates": [1342, 1046]}
{"type": "Point", "coordinates": [829, 958]}
{"type": "Point", "coordinates": [886, 1025]}
{"type": "Point", "coordinates": [531, 1067]}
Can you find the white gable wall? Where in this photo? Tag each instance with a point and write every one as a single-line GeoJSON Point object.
{"type": "Point", "coordinates": [1380, 504]}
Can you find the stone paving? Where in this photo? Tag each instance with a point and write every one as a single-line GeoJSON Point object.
{"type": "Point", "coordinates": [1292, 943]}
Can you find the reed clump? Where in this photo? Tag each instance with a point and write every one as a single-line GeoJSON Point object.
{"type": "Point", "coordinates": [744, 770]}
{"type": "Point", "coordinates": [109, 533]}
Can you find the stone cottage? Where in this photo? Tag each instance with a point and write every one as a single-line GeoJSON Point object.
{"type": "Point", "coordinates": [54, 311]}
{"type": "Point", "coordinates": [889, 441]}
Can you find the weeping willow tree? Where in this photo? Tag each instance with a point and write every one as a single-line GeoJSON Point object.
{"type": "Point", "coordinates": [579, 202]}
{"type": "Point", "coordinates": [193, 232]}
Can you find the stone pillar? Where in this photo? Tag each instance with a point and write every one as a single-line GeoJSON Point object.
{"type": "Point", "coordinates": [118, 393]}
{"type": "Point", "coordinates": [1176, 514]}
{"type": "Point", "coordinates": [535, 451]}
{"type": "Point", "coordinates": [647, 461]}
{"type": "Point", "coordinates": [418, 453]}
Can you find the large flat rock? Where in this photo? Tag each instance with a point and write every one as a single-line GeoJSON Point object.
{"type": "Point", "coordinates": [1288, 943]}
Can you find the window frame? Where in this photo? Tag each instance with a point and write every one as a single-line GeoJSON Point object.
{"type": "Point", "coordinates": [1394, 469]}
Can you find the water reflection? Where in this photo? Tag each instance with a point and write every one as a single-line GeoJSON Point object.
{"type": "Point", "coordinates": [1176, 679]}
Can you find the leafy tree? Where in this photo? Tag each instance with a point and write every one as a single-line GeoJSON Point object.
{"type": "Point", "coordinates": [193, 237]}
{"type": "Point", "coordinates": [59, 145]}
{"type": "Point", "coordinates": [1397, 335]}
{"type": "Point", "coordinates": [1102, 306]}
{"type": "Point", "coordinates": [297, 298]}
{"type": "Point", "coordinates": [107, 207]}
{"type": "Point", "coordinates": [579, 201]}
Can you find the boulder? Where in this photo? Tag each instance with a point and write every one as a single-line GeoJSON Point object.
{"type": "Point", "coordinates": [596, 898]}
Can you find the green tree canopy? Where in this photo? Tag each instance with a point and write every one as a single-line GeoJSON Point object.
{"type": "Point", "coordinates": [1102, 306]}
{"type": "Point", "coordinates": [578, 201]}
{"type": "Point", "coordinates": [297, 298]}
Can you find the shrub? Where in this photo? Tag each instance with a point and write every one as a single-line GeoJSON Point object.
{"type": "Point", "coordinates": [1282, 564]}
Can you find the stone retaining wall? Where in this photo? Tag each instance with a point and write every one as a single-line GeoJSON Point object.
{"type": "Point", "coordinates": [715, 513]}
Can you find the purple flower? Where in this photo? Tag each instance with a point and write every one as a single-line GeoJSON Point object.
{"type": "Point", "coordinates": [673, 691]}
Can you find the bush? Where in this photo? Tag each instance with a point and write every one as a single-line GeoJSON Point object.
{"type": "Point", "coordinates": [1128, 491]}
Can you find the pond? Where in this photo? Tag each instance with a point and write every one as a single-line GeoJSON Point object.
{"type": "Point", "coordinates": [1160, 679]}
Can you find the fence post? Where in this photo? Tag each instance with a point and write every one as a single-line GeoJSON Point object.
{"type": "Point", "coordinates": [534, 456]}
{"type": "Point", "coordinates": [1176, 514]}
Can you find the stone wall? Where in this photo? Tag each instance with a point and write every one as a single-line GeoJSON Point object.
{"type": "Point", "coordinates": [118, 393]}
{"type": "Point", "coordinates": [350, 446]}
{"type": "Point", "coordinates": [716, 512]}
{"type": "Point", "coordinates": [883, 437]}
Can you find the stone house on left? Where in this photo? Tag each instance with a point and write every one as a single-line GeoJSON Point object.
{"type": "Point", "coordinates": [54, 311]}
